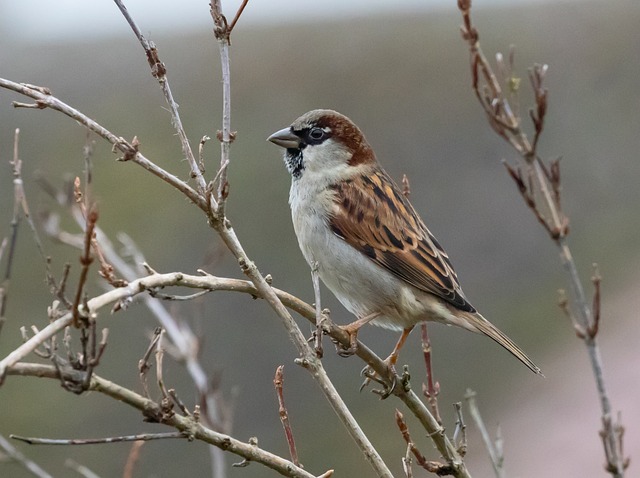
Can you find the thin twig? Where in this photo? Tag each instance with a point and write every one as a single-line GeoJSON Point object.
{"type": "Point", "coordinates": [129, 149]}
{"type": "Point", "coordinates": [85, 261]}
{"type": "Point", "coordinates": [80, 469]}
{"type": "Point", "coordinates": [20, 207]}
{"type": "Point", "coordinates": [237, 17]}
{"type": "Point", "coordinates": [96, 441]}
{"type": "Point", "coordinates": [431, 466]}
{"type": "Point", "coordinates": [222, 32]}
{"type": "Point", "coordinates": [144, 365]}
{"type": "Point", "coordinates": [315, 279]}
{"type": "Point", "coordinates": [159, 72]}
{"type": "Point", "coordinates": [495, 451]}
{"type": "Point", "coordinates": [278, 383]}
{"type": "Point", "coordinates": [132, 459]}
{"type": "Point", "coordinates": [159, 368]}
{"type": "Point", "coordinates": [460, 432]}
{"type": "Point", "coordinates": [432, 389]}
{"type": "Point", "coordinates": [596, 279]}
{"type": "Point", "coordinates": [20, 458]}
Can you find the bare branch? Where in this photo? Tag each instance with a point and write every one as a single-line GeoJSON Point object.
{"type": "Point", "coordinates": [432, 389]}
{"type": "Point", "coordinates": [132, 459]}
{"type": "Point", "coordinates": [80, 469]}
{"type": "Point", "coordinates": [159, 72]}
{"type": "Point", "coordinates": [96, 441]}
{"type": "Point", "coordinates": [185, 425]}
{"type": "Point", "coordinates": [431, 466]}
{"type": "Point", "coordinates": [460, 430]}
{"type": "Point", "coordinates": [494, 450]}
{"type": "Point", "coordinates": [128, 149]}
{"type": "Point", "coordinates": [19, 457]}
{"type": "Point", "coordinates": [541, 192]}
{"type": "Point", "coordinates": [278, 383]}
{"type": "Point", "coordinates": [320, 314]}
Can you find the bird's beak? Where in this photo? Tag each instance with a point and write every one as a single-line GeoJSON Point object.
{"type": "Point", "coordinates": [285, 138]}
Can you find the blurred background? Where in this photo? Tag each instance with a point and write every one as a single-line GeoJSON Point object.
{"type": "Point", "coordinates": [400, 70]}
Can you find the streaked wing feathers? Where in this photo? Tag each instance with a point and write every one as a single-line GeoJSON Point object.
{"type": "Point", "coordinates": [372, 215]}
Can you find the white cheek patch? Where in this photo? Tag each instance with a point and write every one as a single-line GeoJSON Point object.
{"type": "Point", "coordinates": [329, 156]}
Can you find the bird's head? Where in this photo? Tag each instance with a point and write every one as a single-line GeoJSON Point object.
{"type": "Point", "coordinates": [323, 141]}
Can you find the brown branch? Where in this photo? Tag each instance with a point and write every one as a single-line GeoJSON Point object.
{"type": "Point", "coordinates": [132, 459]}
{"type": "Point", "coordinates": [432, 389]}
{"type": "Point", "coordinates": [278, 382]}
{"type": "Point", "coordinates": [431, 466]}
{"type": "Point", "coordinates": [85, 261]}
{"type": "Point", "coordinates": [237, 17]}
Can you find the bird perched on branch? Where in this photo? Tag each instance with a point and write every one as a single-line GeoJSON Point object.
{"type": "Point", "coordinates": [371, 248]}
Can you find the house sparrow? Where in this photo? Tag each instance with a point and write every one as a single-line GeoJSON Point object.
{"type": "Point", "coordinates": [371, 248]}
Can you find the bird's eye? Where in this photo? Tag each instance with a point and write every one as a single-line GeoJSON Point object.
{"type": "Point", "coordinates": [316, 134]}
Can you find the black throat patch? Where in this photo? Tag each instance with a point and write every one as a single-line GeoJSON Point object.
{"type": "Point", "coordinates": [294, 162]}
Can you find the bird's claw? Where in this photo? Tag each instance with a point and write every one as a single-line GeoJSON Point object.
{"type": "Point", "coordinates": [343, 351]}
{"type": "Point", "coordinates": [370, 375]}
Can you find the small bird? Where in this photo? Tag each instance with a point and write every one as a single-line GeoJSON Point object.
{"type": "Point", "coordinates": [370, 246]}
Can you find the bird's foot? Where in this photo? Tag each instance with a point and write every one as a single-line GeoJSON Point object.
{"type": "Point", "coordinates": [388, 384]}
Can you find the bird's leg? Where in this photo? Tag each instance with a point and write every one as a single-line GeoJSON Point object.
{"type": "Point", "coordinates": [390, 361]}
{"type": "Point", "coordinates": [393, 358]}
{"type": "Point", "coordinates": [352, 329]}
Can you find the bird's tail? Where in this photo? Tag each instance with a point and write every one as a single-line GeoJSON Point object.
{"type": "Point", "coordinates": [487, 328]}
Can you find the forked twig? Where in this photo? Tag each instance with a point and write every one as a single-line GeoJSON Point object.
{"type": "Point", "coordinates": [438, 468]}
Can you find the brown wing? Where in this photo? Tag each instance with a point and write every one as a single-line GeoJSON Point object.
{"type": "Point", "coordinates": [372, 215]}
